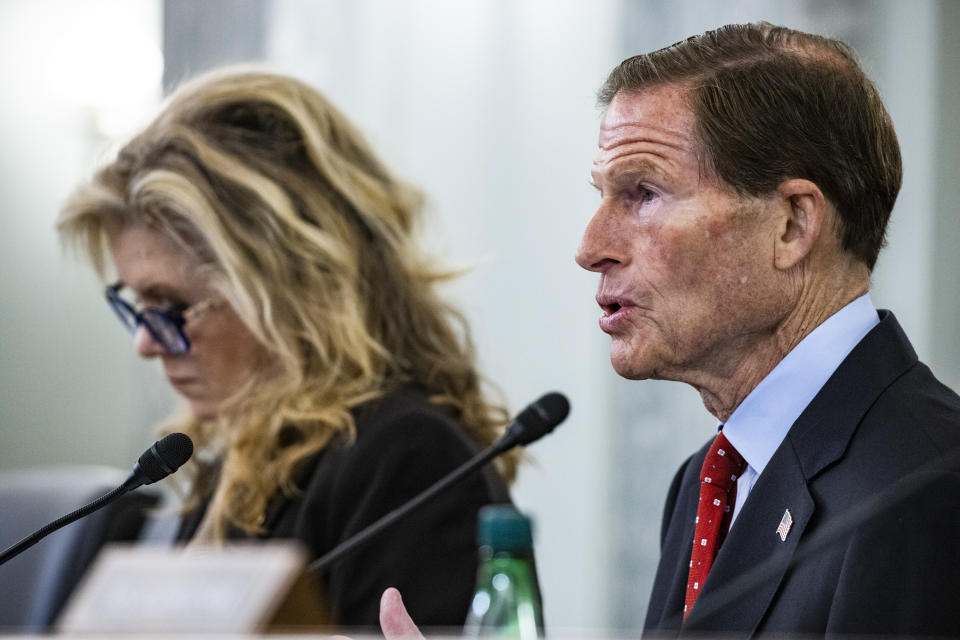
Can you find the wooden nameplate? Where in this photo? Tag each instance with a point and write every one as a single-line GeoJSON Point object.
{"type": "Point", "coordinates": [230, 589]}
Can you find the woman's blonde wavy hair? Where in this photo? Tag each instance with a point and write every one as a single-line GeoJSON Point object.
{"type": "Point", "coordinates": [285, 209]}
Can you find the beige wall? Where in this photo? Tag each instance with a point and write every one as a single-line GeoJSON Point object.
{"type": "Point", "coordinates": [489, 105]}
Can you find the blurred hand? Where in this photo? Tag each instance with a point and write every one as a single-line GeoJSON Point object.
{"type": "Point", "coordinates": [394, 619]}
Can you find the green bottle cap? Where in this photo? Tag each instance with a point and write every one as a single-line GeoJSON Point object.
{"type": "Point", "coordinates": [502, 527]}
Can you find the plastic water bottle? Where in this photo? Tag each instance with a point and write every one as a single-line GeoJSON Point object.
{"type": "Point", "coordinates": [506, 602]}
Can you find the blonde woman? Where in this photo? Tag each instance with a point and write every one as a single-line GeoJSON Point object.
{"type": "Point", "coordinates": [256, 246]}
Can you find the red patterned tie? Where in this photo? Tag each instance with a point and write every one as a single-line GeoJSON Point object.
{"type": "Point", "coordinates": [717, 492]}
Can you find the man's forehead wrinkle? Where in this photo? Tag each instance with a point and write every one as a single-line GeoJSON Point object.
{"type": "Point", "coordinates": [646, 133]}
{"type": "Point", "coordinates": [679, 142]}
{"type": "Point", "coordinates": [655, 157]}
{"type": "Point", "coordinates": [630, 132]}
{"type": "Point", "coordinates": [649, 161]}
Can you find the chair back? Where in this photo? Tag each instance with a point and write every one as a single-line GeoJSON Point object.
{"type": "Point", "coordinates": [35, 584]}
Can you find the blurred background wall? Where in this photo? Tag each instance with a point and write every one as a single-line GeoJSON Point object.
{"type": "Point", "coordinates": [489, 105]}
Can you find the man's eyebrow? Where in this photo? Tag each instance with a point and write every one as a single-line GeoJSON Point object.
{"type": "Point", "coordinates": [620, 167]}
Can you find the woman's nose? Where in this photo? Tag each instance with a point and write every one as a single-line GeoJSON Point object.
{"type": "Point", "coordinates": [146, 346]}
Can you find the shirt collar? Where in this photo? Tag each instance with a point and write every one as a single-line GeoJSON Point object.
{"type": "Point", "coordinates": [760, 423]}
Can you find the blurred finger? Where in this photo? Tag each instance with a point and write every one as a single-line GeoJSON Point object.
{"type": "Point", "coordinates": [394, 619]}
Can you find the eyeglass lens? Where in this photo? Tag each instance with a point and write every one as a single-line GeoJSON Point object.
{"type": "Point", "coordinates": [166, 327]}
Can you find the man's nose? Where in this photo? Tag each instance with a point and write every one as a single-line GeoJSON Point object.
{"type": "Point", "coordinates": [599, 245]}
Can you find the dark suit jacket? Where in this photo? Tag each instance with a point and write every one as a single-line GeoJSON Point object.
{"type": "Point", "coordinates": [403, 445]}
{"type": "Point", "coordinates": [869, 473]}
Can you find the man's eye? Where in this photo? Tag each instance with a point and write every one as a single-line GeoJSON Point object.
{"type": "Point", "coordinates": [646, 195]}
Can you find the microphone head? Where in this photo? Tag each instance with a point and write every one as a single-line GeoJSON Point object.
{"type": "Point", "coordinates": [538, 419]}
{"type": "Point", "coordinates": [165, 456]}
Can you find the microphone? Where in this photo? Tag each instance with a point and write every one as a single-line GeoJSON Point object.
{"type": "Point", "coordinates": [163, 458]}
{"type": "Point", "coordinates": [534, 422]}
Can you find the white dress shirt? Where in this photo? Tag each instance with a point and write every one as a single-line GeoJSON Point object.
{"type": "Point", "coordinates": [760, 423]}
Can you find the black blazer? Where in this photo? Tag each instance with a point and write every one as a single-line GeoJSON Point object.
{"type": "Point", "coordinates": [404, 444]}
{"type": "Point", "coordinates": [869, 473]}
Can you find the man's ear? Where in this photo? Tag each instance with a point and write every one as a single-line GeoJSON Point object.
{"type": "Point", "coordinates": [803, 210]}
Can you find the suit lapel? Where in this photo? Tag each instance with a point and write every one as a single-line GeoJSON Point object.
{"type": "Point", "coordinates": [753, 560]}
{"type": "Point", "coordinates": [823, 432]}
{"type": "Point", "coordinates": [753, 542]}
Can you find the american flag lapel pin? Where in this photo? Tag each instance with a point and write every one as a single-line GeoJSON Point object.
{"type": "Point", "coordinates": [785, 523]}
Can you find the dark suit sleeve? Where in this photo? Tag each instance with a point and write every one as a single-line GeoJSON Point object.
{"type": "Point", "coordinates": [901, 572]}
{"type": "Point", "coordinates": [675, 541]}
{"type": "Point", "coordinates": [431, 555]}
{"type": "Point", "coordinates": [669, 505]}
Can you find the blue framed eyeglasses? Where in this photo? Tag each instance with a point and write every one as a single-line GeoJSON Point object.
{"type": "Point", "coordinates": [164, 325]}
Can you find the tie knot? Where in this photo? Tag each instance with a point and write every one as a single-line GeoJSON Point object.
{"type": "Point", "coordinates": [722, 465]}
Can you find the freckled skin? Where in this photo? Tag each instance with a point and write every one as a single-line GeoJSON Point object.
{"type": "Point", "coordinates": [692, 262]}
{"type": "Point", "coordinates": [223, 353]}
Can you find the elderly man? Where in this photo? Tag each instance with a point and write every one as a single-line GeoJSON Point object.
{"type": "Point", "coordinates": [746, 177]}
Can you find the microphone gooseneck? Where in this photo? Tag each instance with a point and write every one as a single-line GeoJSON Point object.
{"type": "Point", "coordinates": [534, 422]}
{"type": "Point", "coordinates": [163, 458]}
